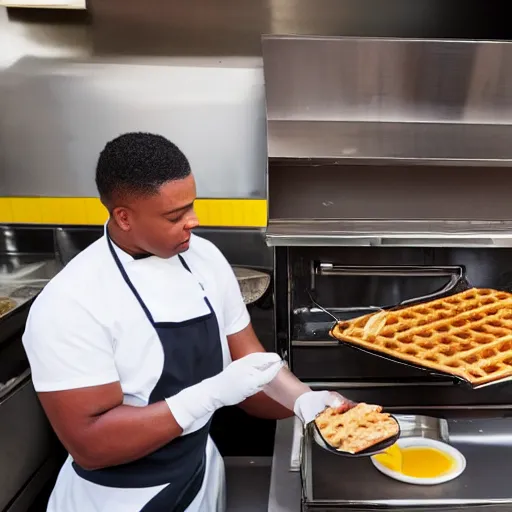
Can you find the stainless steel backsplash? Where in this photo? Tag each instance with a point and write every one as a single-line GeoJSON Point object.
{"type": "Point", "coordinates": [234, 27]}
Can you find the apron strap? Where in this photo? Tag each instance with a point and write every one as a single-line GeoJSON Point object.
{"type": "Point", "coordinates": [127, 280]}
{"type": "Point", "coordinates": [184, 263]}
{"type": "Point", "coordinates": [134, 290]}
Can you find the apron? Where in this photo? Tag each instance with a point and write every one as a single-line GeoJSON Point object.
{"type": "Point", "coordinates": [192, 352]}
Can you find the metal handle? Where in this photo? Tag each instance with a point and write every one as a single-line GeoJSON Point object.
{"type": "Point", "coordinates": [454, 272]}
{"type": "Point", "coordinates": [331, 269]}
{"type": "Point", "coordinates": [8, 387]}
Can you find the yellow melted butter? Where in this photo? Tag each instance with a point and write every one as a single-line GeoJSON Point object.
{"type": "Point", "coordinates": [416, 461]}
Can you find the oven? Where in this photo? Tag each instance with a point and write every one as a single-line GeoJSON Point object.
{"type": "Point", "coordinates": [388, 182]}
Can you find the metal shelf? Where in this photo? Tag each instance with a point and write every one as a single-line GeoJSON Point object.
{"type": "Point", "coordinates": [387, 233]}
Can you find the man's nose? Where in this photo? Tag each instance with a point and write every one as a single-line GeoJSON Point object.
{"type": "Point", "coordinates": [192, 221]}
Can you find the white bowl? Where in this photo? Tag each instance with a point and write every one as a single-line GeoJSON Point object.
{"type": "Point", "coordinates": [457, 469]}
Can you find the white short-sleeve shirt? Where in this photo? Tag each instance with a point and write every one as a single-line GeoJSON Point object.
{"type": "Point", "coordinates": [86, 328]}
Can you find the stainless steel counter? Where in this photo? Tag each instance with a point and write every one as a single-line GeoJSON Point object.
{"type": "Point", "coordinates": [335, 482]}
{"type": "Point", "coordinates": [247, 483]}
{"type": "Point", "coordinates": [285, 486]}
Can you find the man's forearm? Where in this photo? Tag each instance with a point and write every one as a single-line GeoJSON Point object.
{"type": "Point", "coordinates": [262, 406]}
{"type": "Point", "coordinates": [278, 397]}
{"type": "Point", "coordinates": [129, 433]}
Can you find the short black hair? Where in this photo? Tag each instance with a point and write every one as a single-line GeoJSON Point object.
{"type": "Point", "coordinates": [139, 164]}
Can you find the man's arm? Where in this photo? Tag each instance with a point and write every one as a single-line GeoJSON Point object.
{"type": "Point", "coordinates": [99, 431]}
{"type": "Point", "coordinates": [260, 405]}
{"type": "Point", "coordinates": [285, 392]}
{"type": "Point", "coordinates": [284, 388]}
{"type": "Point", "coordinates": [74, 373]}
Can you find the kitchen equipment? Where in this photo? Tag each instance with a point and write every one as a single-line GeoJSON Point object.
{"type": "Point", "coordinates": [253, 283]}
{"type": "Point", "coordinates": [21, 280]}
{"type": "Point", "coordinates": [388, 184]}
{"type": "Point", "coordinates": [26, 438]}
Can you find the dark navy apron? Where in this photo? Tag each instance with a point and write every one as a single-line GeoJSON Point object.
{"type": "Point", "coordinates": [192, 353]}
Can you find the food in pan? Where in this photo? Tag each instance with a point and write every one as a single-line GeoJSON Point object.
{"type": "Point", "coordinates": [6, 305]}
{"type": "Point", "coordinates": [468, 334]}
{"type": "Point", "coordinates": [357, 429]}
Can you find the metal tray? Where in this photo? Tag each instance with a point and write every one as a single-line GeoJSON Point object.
{"type": "Point", "coordinates": [340, 483]}
{"type": "Point", "coordinates": [20, 294]}
{"type": "Point", "coordinates": [22, 282]}
{"type": "Point", "coordinates": [456, 285]}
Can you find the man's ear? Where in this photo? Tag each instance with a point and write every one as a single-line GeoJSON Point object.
{"type": "Point", "coordinates": [121, 216]}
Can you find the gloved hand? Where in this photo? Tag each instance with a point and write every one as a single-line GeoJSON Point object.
{"type": "Point", "coordinates": [241, 379]}
{"type": "Point", "coordinates": [310, 404]}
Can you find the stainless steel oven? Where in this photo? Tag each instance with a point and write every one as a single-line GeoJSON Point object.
{"type": "Point", "coordinates": [388, 180]}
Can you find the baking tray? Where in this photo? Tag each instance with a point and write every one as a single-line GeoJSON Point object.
{"type": "Point", "coordinates": [20, 294]}
{"type": "Point", "coordinates": [464, 285]}
{"type": "Point", "coordinates": [346, 484]}
{"type": "Point", "coordinates": [458, 284]}
{"type": "Point", "coordinates": [23, 294]}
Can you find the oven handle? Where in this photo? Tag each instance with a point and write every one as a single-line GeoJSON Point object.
{"type": "Point", "coordinates": [331, 269]}
{"type": "Point", "coordinates": [456, 273]}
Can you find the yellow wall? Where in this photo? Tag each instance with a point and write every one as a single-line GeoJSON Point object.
{"type": "Point", "coordinates": [89, 211]}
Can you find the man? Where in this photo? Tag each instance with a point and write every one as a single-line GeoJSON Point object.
{"type": "Point", "coordinates": [140, 338]}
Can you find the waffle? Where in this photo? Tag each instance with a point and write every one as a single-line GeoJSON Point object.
{"type": "Point", "coordinates": [357, 429]}
{"type": "Point", "coordinates": [6, 305]}
{"type": "Point", "coordinates": [468, 335]}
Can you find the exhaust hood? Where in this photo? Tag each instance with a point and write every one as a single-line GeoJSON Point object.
{"type": "Point", "coordinates": [388, 142]}
{"type": "Point", "coordinates": [364, 100]}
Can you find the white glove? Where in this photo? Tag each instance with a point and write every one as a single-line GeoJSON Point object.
{"type": "Point", "coordinates": [241, 379]}
{"type": "Point", "coordinates": [309, 405]}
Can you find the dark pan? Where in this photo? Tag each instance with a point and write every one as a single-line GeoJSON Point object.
{"type": "Point", "coordinates": [432, 373]}
{"type": "Point", "coordinates": [372, 450]}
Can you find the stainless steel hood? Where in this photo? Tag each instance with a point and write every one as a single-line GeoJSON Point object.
{"type": "Point", "coordinates": [386, 142]}
{"type": "Point", "coordinates": [389, 100]}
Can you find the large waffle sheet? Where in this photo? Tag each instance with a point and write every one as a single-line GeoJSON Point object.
{"type": "Point", "coordinates": [468, 334]}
